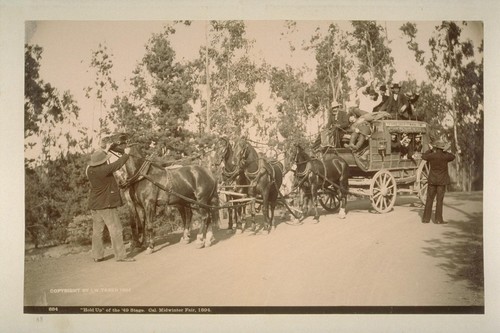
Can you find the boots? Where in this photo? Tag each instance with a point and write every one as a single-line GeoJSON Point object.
{"type": "Point", "coordinates": [356, 142]}
{"type": "Point", "coordinates": [353, 139]}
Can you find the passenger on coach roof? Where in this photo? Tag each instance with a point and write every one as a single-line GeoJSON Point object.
{"type": "Point", "coordinates": [397, 103]}
{"type": "Point", "coordinates": [382, 90]}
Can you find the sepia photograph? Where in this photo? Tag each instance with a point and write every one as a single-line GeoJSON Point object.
{"type": "Point", "coordinates": [226, 167]}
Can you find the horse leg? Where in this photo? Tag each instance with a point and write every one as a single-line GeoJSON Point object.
{"type": "Point", "coordinates": [242, 219]}
{"type": "Point", "coordinates": [184, 217]}
{"type": "Point", "coordinates": [136, 227]}
{"type": "Point", "coordinates": [314, 198]}
{"type": "Point", "coordinates": [136, 221]}
{"type": "Point", "coordinates": [265, 211]}
{"type": "Point", "coordinates": [212, 217]}
{"type": "Point", "coordinates": [209, 236]}
{"type": "Point", "coordinates": [230, 213]}
{"type": "Point", "coordinates": [149, 213]}
{"type": "Point", "coordinates": [344, 183]}
{"type": "Point", "coordinates": [202, 229]}
{"type": "Point", "coordinates": [252, 209]}
{"type": "Point", "coordinates": [343, 204]}
{"type": "Point", "coordinates": [272, 207]}
{"type": "Point", "coordinates": [304, 203]}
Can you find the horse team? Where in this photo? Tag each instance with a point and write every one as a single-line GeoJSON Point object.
{"type": "Point", "coordinates": [147, 185]}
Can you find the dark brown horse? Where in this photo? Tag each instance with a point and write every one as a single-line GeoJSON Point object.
{"type": "Point", "coordinates": [313, 174]}
{"type": "Point", "coordinates": [265, 178]}
{"type": "Point", "coordinates": [186, 187]}
{"type": "Point", "coordinates": [231, 176]}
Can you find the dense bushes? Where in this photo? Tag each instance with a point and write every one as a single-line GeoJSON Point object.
{"type": "Point", "coordinates": [56, 210]}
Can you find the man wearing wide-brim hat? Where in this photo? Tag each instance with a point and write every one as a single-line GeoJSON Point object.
{"type": "Point", "coordinates": [104, 199]}
{"type": "Point", "coordinates": [438, 158]}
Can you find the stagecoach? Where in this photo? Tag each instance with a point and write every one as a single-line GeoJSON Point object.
{"type": "Point", "coordinates": [381, 170]}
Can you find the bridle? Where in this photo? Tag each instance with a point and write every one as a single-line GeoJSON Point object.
{"type": "Point", "coordinates": [141, 171]}
{"type": "Point", "coordinates": [228, 173]}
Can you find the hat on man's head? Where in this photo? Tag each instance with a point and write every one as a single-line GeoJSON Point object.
{"type": "Point", "coordinates": [383, 88]}
{"type": "Point", "coordinates": [98, 158]}
{"type": "Point", "coordinates": [439, 144]}
{"type": "Point", "coordinates": [335, 105]}
{"type": "Point", "coordinates": [395, 86]}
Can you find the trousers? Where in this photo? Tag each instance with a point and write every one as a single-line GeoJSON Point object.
{"type": "Point", "coordinates": [434, 192]}
{"type": "Point", "coordinates": [109, 218]}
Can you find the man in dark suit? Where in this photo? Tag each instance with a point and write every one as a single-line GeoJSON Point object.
{"type": "Point", "coordinates": [383, 92]}
{"type": "Point", "coordinates": [337, 124]}
{"type": "Point", "coordinates": [397, 103]}
{"type": "Point", "coordinates": [438, 160]}
{"type": "Point", "coordinates": [104, 198]}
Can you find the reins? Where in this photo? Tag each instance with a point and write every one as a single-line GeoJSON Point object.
{"type": "Point", "coordinates": [141, 174]}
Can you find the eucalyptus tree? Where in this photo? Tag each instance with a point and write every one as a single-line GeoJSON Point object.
{"type": "Point", "coordinates": [292, 95]}
{"type": "Point", "coordinates": [229, 76]}
{"type": "Point", "coordinates": [103, 89]}
{"type": "Point", "coordinates": [372, 51]}
{"type": "Point", "coordinates": [455, 67]}
{"type": "Point", "coordinates": [333, 53]}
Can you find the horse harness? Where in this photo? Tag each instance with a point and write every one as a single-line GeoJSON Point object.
{"type": "Point", "coordinates": [302, 176]}
{"type": "Point", "coordinates": [264, 164]}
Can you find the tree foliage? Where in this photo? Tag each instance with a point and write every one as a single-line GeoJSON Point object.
{"type": "Point", "coordinates": [458, 79]}
{"type": "Point", "coordinates": [333, 53]}
{"type": "Point", "coordinates": [372, 51]}
{"type": "Point", "coordinates": [232, 79]}
{"type": "Point", "coordinates": [103, 89]}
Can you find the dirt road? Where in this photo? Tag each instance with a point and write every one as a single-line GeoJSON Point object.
{"type": "Point", "coordinates": [368, 259]}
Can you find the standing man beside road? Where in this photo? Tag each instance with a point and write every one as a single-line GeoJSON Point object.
{"type": "Point", "coordinates": [104, 198]}
{"type": "Point", "coordinates": [438, 159]}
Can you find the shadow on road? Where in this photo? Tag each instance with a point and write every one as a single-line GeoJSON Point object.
{"type": "Point", "coordinates": [461, 249]}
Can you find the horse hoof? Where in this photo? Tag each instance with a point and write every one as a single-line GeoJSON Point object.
{"type": "Point", "coordinates": [341, 215]}
{"type": "Point", "coordinates": [185, 240]}
{"type": "Point", "coordinates": [316, 217]}
{"type": "Point", "coordinates": [149, 250]}
{"type": "Point", "coordinates": [200, 245]}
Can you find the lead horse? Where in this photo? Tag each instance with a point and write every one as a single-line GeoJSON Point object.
{"type": "Point", "coordinates": [265, 177]}
{"type": "Point", "coordinates": [313, 174]}
{"type": "Point", "coordinates": [231, 176]}
{"type": "Point", "coordinates": [150, 185]}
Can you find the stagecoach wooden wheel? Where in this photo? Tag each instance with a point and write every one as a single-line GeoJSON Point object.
{"type": "Point", "coordinates": [383, 191]}
{"type": "Point", "coordinates": [422, 180]}
{"type": "Point", "coordinates": [329, 200]}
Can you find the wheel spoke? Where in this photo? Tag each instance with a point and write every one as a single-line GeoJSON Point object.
{"type": "Point", "coordinates": [383, 203]}
{"type": "Point", "coordinates": [383, 191]}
